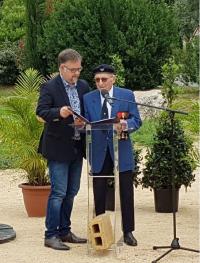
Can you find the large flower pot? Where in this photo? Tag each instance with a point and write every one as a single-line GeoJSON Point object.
{"type": "Point", "coordinates": [163, 200]}
{"type": "Point", "coordinates": [35, 199]}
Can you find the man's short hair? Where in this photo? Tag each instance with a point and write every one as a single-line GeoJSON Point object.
{"type": "Point", "coordinates": [68, 55]}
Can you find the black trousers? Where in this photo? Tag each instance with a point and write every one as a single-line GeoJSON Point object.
{"type": "Point", "coordinates": [126, 193]}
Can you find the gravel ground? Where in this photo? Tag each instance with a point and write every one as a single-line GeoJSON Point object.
{"type": "Point", "coordinates": [151, 228]}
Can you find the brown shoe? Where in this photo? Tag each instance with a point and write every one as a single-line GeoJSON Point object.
{"type": "Point", "coordinates": [55, 243]}
{"type": "Point", "coordinates": [72, 238]}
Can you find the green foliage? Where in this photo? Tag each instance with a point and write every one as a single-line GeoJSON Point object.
{"type": "Point", "coordinates": [119, 68]}
{"type": "Point", "coordinates": [150, 32]}
{"type": "Point", "coordinates": [144, 135]}
{"type": "Point", "coordinates": [20, 130]}
{"type": "Point", "coordinates": [12, 20]}
{"type": "Point", "coordinates": [188, 57]}
{"type": "Point", "coordinates": [158, 167]}
{"type": "Point", "coordinates": [171, 149]}
{"type": "Point", "coordinates": [170, 71]}
{"type": "Point", "coordinates": [190, 122]}
{"type": "Point", "coordinates": [188, 13]}
{"type": "Point", "coordinates": [72, 25]}
{"type": "Point", "coordinates": [137, 172]}
{"type": "Point", "coordinates": [99, 29]}
{"type": "Point", "coordinates": [34, 17]}
{"type": "Point", "coordinates": [8, 65]}
{"type": "Point", "coordinates": [186, 100]}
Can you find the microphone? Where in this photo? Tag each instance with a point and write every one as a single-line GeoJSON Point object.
{"type": "Point", "coordinates": [106, 96]}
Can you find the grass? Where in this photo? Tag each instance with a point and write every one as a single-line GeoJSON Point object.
{"type": "Point", "coordinates": [144, 136]}
{"type": "Point", "coordinates": [187, 101]}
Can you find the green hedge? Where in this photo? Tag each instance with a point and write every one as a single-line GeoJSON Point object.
{"type": "Point", "coordinates": [142, 33]}
{"type": "Point", "coordinates": [12, 20]}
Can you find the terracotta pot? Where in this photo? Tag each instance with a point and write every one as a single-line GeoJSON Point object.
{"type": "Point", "coordinates": [35, 199]}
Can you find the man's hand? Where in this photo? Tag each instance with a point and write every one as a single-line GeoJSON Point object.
{"type": "Point", "coordinates": [65, 112]}
{"type": "Point", "coordinates": [79, 122]}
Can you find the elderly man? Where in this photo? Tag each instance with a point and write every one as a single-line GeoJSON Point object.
{"type": "Point", "coordinates": [62, 147]}
{"type": "Point", "coordinates": [96, 108]}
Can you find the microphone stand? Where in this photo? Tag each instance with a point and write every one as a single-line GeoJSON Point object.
{"type": "Point", "coordinates": [175, 242]}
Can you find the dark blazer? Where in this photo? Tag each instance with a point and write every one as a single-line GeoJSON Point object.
{"type": "Point", "coordinates": [56, 141]}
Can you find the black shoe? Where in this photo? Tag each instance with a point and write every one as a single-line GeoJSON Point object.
{"type": "Point", "coordinates": [55, 243]}
{"type": "Point", "coordinates": [129, 239]}
{"type": "Point", "coordinates": [71, 238]}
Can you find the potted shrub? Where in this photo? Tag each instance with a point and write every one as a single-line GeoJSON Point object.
{"type": "Point", "coordinates": [157, 173]}
{"type": "Point", "coordinates": [168, 151]}
{"type": "Point", "coordinates": [20, 130]}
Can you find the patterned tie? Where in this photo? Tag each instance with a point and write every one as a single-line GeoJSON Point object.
{"type": "Point", "coordinates": [73, 98]}
{"type": "Point", "coordinates": [104, 110]}
{"type": "Point", "coordinates": [75, 104]}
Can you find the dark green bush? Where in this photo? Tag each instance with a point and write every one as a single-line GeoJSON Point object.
{"type": "Point", "coordinates": [142, 33]}
{"type": "Point", "coordinates": [8, 66]}
{"type": "Point", "coordinates": [72, 25]}
{"type": "Point", "coordinates": [158, 168]}
{"type": "Point", "coordinates": [150, 33]}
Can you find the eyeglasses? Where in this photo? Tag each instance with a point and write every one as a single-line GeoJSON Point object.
{"type": "Point", "coordinates": [97, 80]}
{"type": "Point", "coordinates": [73, 70]}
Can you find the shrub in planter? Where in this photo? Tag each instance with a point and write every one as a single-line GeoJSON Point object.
{"type": "Point", "coordinates": [169, 161]}
{"type": "Point", "coordinates": [158, 168]}
{"type": "Point", "coordinates": [20, 131]}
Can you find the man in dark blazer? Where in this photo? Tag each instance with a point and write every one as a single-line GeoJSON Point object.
{"type": "Point", "coordinates": [96, 108]}
{"type": "Point", "coordinates": [62, 146]}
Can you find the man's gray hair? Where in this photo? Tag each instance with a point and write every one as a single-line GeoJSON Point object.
{"type": "Point", "coordinates": [68, 55]}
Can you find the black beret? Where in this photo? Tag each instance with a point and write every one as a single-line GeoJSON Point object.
{"type": "Point", "coordinates": [103, 68]}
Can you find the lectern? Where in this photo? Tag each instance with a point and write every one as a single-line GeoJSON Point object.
{"type": "Point", "coordinates": [101, 233]}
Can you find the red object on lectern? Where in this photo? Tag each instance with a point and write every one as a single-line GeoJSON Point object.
{"type": "Point", "coordinates": [123, 115]}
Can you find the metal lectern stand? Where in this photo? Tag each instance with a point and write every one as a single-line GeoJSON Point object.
{"type": "Point", "coordinates": [116, 222]}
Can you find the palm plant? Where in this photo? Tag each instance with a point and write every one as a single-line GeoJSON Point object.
{"type": "Point", "coordinates": [20, 130]}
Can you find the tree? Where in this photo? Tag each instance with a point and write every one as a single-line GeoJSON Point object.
{"type": "Point", "coordinates": [34, 14]}
{"type": "Point", "coordinates": [188, 14]}
{"type": "Point", "coordinates": [101, 29]}
{"type": "Point", "coordinates": [150, 39]}
{"type": "Point", "coordinates": [12, 20]}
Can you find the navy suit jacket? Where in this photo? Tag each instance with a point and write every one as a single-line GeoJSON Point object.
{"type": "Point", "coordinates": [102, 140]}
{"type": "Point", "coordinates": [56, 142]}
